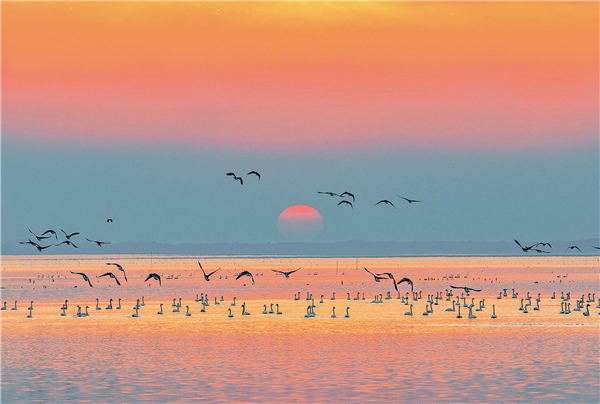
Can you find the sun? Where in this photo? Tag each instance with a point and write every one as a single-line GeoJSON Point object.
{"type": "Point", "coordinates": [300, 222]}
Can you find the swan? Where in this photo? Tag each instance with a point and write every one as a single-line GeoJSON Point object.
{"type": "Point", "coordinates": [136, 312]}
{"type": "Point", "coordinates": [86, 314]}
{"type": "Point", "coordinates": [216, 302]}
{"type": "Point", "coordinates": [109, 307]}
{"type": "Point", "coordinates": [358, 296]}
{"type": "Point", "coordinates": [537, 307]}
{"type": "Point", "coordinates": [98, 304]}
{"type": "Point", "coordinates": [521, 308]}
{"type": "Point", "coordinates": [514, 295]}
{"type": "Point", "coordinates": [493, 311]}
{"type": "Point", "coordinates": [197, 298]}
{"type": "Point", "coordinates": [30, 305]}
{"type": "Point", "coordinates": [458, 316]}
{"type": "Point", "coordinates": [307, 296]}
{"type": "Point", "coordinates": [230, 313]}
{"type": "Point", "coordinates": [64, 313]}
{"type": "Point", "coordinates": [295, 297]}
{"type": "Point", "coordinates": [538, 298]}
{"type": "Point", "coordinates": [562, 308]}
{"type": "Point", "coordinates": [3, 307]}
{"type": "Point", "coordinates": [244, 312]}
{"type": "Point", "coordinates": [471, 315]}
{"type": "Point", "coordinates": [203, 309]}
{"type": "Point", "coordinates": [333, 315]}
{"type": "Point", "coordinates": [222, 298]}
{"type": "Point", "coordinates": [119, 306]}
{"type": "Point", "coordinates": [426, 312]}
{"type": "Point", "coordinates": [265, 310]}
{"type": "Point", "coordinates": [15, 308]}
{"type": "Point", "coordinates": [587, 311]}
{"type": "Point", "coordinates": [525, 309]}
{"type": "Point", "coordinates": [143, 303]}
{"type": "Point", "coordinates": [348, 296]}
{"type": "Point", "coordinates": [333, 298]}
{"type": "Point", "coordinates": [553, 295]}
{"type": "Point", "coordinates": [409, 313]}
{"type": "Point", "coordinates": [174, 303]}
{"type": "Point", "coordinates": [278, 312]}
{"type": "Point", "coordinates": [176, 309]}
{"type": "Point", "coordinates": [308, 311]}
{"type": "Point", "coordinates": [499, 295]}
{"type": "Point", "coordinates": [364, 295]}
{"type": "Point", "coordinates": [137, 304]}
{"type": "Point", "coordinates": [178, 304]}
{"type": "Point", "coordinates": [451, 309]}
{"type": "Point", "coordinates": [160, 311]}
{"type": "Point", "coordinates": [321, 301]}
{"type": "Point", "coordinates": [30, 315]}
{"type": "Point", "coordinates": [347, 314]}
{"type": "Point", "coordinates": [480, 308]}
{"type": "Point", "coordinates": [233, 304]}
{"type": "Point", "coordinates": [568, 311]}
{"type": "Point", "coordinates": [388, 297]}
{"type": "Point", "coordinates": [79, 311]}
{"type": "Point", "coordinates": [271, 311]}
{"type": "Point", "coordinates": [187, 313]}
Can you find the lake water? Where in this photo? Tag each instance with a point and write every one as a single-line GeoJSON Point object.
{"type": "Point", "coordinates": [378, 354]}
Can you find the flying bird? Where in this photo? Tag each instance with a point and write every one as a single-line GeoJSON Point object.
{"type": "Point", "coordinates": [254, 173]}
{"type": "Point", "coordinates": [98, 242]}
{"type": "Point", "coordinates": [537, 250]}
{"type": "Point", "coordinates": [466, 289]}
{"type": "Point", "coordinates": [573, 247]}
{"type": "Point", "coordinates": [206, 277]}
{"type": "Point", "coordinates": [347, 193]}
{"type": "Point", "coordinates": [36, 245]}
{"type": "Point", "coordinates": [68, 236]}
{"type": "Point", "coordinates": [236, 178]}
{"type": "Point", "coordinates": [386, 202]}
{"type": "Point", "coordinates": [108, 220]}
{"type": "Point", "coordinates": [390, 276]}
{"type": "Point", "coordinates": [346, 202]}
{"type": "Point", "coordinates": [156, 277]}
{"type": "Point", "coordinates": [408, 200]}
{"type": "Point", "coordinates": [67, 242]}
{"type": "Point", "coordinates": [377, 277]}
{"type": "Point", "coordinates": [245, 273]}
{"type": "Point", "coordinates": [286, 274]}
{"type": "Point", "coordinates": [120, 269]}
{"type": "Point", "coordinates": [407, 281]}
{"type": "Point", "coordinates": [544, 244]}
{"type": "Point", "coordinates": [39, 238]}
{"type": "Point", "coordinates": [112, 276]}
{"type": "Point", "coordinates": [597, 248]}
{"type": "Point", "coordinates": [327, 193]}
{"type": "Point", "coordinates": [525, 249]}
{"type": "Point", "coordinates": [85, 277]}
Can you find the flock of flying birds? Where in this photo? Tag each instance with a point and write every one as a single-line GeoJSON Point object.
{"type": "Point", "coordinates": [533, 247]}
{"type": "Point", "coordinates": [351, 195]}
{"type": "Point", "coordinates": [48, 235]}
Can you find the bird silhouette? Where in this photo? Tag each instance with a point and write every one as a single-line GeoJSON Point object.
{"type": "Point", "coordinates": [36, 245]}
{"type": "Point", "coordinates": [408, 200]}
{"type": "Point", "coordinates": [544, 244]}
{"type": "Point", "coordinates": [254, 173]}
{"type": "Point", "coordinates": [120, 269]}
{"type": "Point", "coordinates": [537, 250]}
{"type": "Point", "coordinates": [390, 276]}
{"type": "Point", "coordinates": [206, 277]}
{"type": "Point", "coordinates": [112, 276]}
{"type": "Point", "coordinates": [386, 202]}
{"type": "Point", "coordinates": [407, 281]}
{"type": "Point", "coordinates": [346, 202]}
{"type": "Point", "coordinates": [284, 273]}
{"type": "Point", "coordinates": [68, 236]}
{"type": "Point", "coordinates": [347, 193]}
{"type": "Point", "coordinates": [98, 242]}
{"type": "Point", "coordinates": [154, 276]}
{"type": "Point", "coordinates": [39, 238]}
{"type": "Point", "coordinates": [573, 247]}
{"type": "Point", "coordinates": [236, 178]}
{"type": "Point", "coordinates": [68, 242]}
{"type": "Point", "coordinates": [108, 220]}
{"type": "Point", "coordinates": [597, 248]}
{"type": "Point", "coordinates": [245, 273]}
{"type": "Point", "coordinates": [327, 193]}
{"type": "Point", "coordinates": [377, 277]}
{"type": "Point", "coordinates": [525, 249]}
{"type": "Point", "coordinates": [466, 289]}
{"type": "Point", "coordinates": [85, 277]}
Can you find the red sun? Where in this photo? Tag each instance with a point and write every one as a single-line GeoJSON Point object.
{"type": "Point", "coordinates": [300, 221]}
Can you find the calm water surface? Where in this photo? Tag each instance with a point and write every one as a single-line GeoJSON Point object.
{"type": "Point", "coordinates": [376, 355]}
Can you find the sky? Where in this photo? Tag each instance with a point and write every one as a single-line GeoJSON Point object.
{"type": "Point", "coordinates": [489, 113]}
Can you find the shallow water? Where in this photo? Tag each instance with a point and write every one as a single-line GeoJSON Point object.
{"type": "Point", "coordinates": [376, 355]}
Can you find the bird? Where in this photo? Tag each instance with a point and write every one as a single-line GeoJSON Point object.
{"type": "Point", "coordinates": [597, 248]}
{"type": "Point", "coordinates": [245, 273]}
{"type": "Point", "coordinates": [51, 232]}
{"type": "Point", "coordinates": [347, 193]}
{"type": "Point", "coordinates": [68, 236]}
{"type": "Point", "coordinates": [36, 245]}
{"type": "Point", "coordinates": [327, 193]}
{"type": "Point", "coordinates": [254, 173]}
{"type": "Point", "coordinates": [108, 220]}
{"type": "Point", "coordinates": [98, 242]}
{"type": "Point", "coordinates": [85, 277]}
{"type": "Point", "coordinates": [155, 276]}
{"type": "Point", "coordinates": [525, 249]}
{"type": "Point", "coordinates": [466, 289]}
{"type": "Point", "coordinates": [346, 202]}
{"type": "Point", "coordinates": [390, 276]}
{"type": "Point", "coordinates": [407, 281]}
{"type": "Point", "coordinates": [206, 277]}
{"type": "Point", "coordinates": [120, 269]}
{"type": "Point", "coordinates": [286, 274]}
{"type": "Point", "coordinates": [408, 200]}
{"type": "Point", "coordinates": [112, 276]}
{"type": "Point", "coordinates": [573, 247]}
{"type": "Point", "coordinates": [537, 250]}
{"type": "Point", "coordinates": [386, 202]}
{"type": "Point", "coordinates": [67, 242]}
{"type": "Point", "coordinates": [39, 238]}
{"type": "Point", "coordinates": [236, 178]}
{"type": "Point", "coordinates": [377, 277]}
{"type": "Point", "coordinates": [544, 244]}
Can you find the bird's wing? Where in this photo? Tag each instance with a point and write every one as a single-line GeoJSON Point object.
{"type": "Point", "coordinates": [519, 244]}
{"type": "Point", "coordinates": [149, 276]}
{"type": "Point", "coordinates": [401, 197]}
{"type": "Point", "coordinates": [456, 287]}
{"type": "Point", "coordinates": [578, 248]}
{"type": "Point", "coordinates": [108, 273]}
{"type": "Point", "coordinates": [91, 241]}
{"type": "Point", "coordinates": [597, 248]}
{"type": "Point", "coordinates": [73, 245]}
{"type": "Point", "coordinates": [369, 271]}
{"type": "Point", "coordinates": [77, 273]}
{"type": "Point", "coordinates": [240, 275]}
{"type": "Point", "coordinates": [251, 277]}
{"type": "Point", "coordinates": [201, 268]}
{"type": "Point", "coordinates": [379, 202]}
{"type": "Point", "coordinates": [90, 282]}
{"type": "Point", "coordinates": [213, 272]}
{"type": "Point", "coordinates": [291, 272]}
{"type": "Point", "coordinates": [474, 290]}
{"type": "Point", "coordinates": [49, 231]}
{"type": "Point", "coordinates": [279, 272]}
{"type": "Point", "coordinates": [231, 174]}
{"type": "Point", "coordinates": [118, 283]}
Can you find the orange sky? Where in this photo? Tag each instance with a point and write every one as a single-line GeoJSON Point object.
{"type": "Point", "coordinates": [307, 75]}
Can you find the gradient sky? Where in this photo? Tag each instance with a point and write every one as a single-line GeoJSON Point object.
{"type": "Point", "coordinates": [131, 110]}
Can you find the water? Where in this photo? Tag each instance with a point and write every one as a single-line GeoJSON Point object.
{"type": "Point", "coordinates": [376, 355]}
